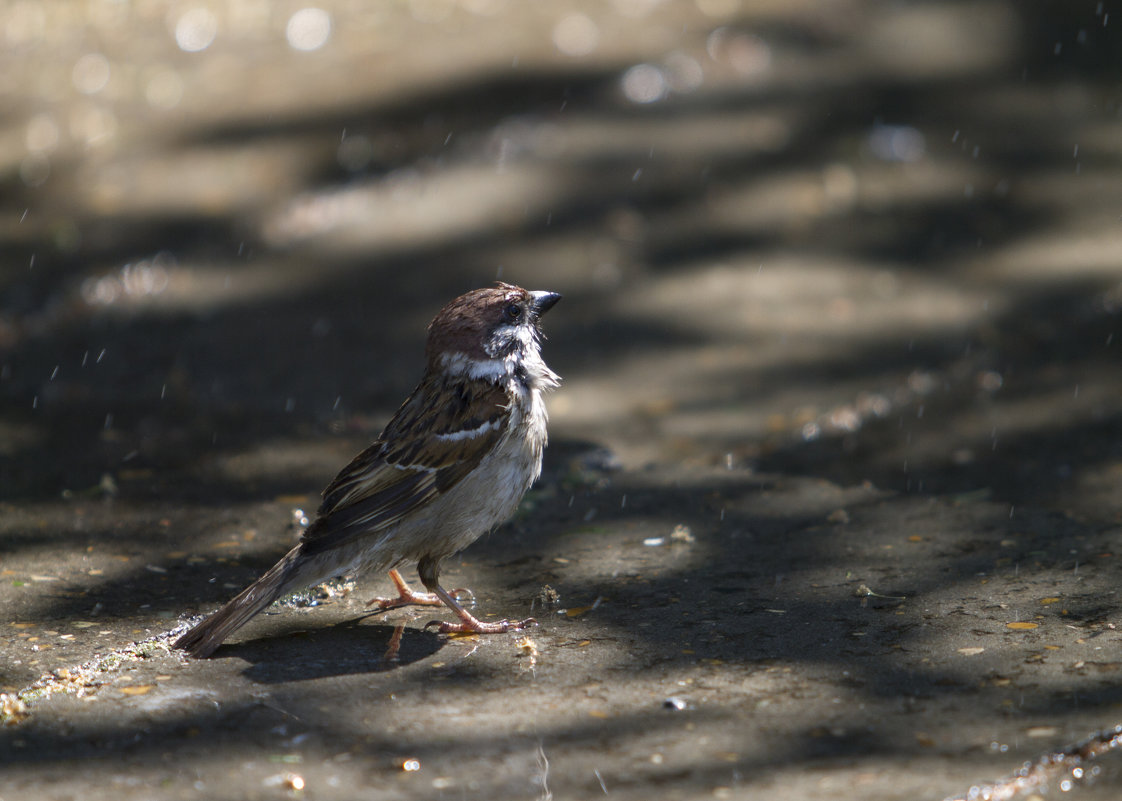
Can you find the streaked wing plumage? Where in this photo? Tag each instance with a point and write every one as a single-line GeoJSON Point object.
{"type": "Point", "coordinates": [422, 453]}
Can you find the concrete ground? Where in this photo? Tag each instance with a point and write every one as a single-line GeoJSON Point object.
{"type": "Point", "coordinates": [831, 507]}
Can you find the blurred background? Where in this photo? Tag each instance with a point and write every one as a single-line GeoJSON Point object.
{"type": "Point", "coordinates": [819, 258]}
{"type": "Point", "coordinates": [859, 239]}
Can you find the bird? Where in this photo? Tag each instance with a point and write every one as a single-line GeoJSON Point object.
{"type": "Point", "coordinates": [452, 463]}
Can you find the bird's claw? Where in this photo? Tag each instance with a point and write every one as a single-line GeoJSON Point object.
{"type": "Point", "coordinates": [479, 627]}
{"type": "Point", "coordinates": [410, 597]}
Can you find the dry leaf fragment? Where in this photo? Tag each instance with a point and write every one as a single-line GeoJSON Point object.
{"type": "Point", "coordinates": [12, 709]}
{"type": "Point", "coordinates": [681, 534]}
{"type": "Point", "coordinates": [528, 648]}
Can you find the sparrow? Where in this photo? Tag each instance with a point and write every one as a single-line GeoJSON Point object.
{"type": "Point", "coordinates": [452, 463]}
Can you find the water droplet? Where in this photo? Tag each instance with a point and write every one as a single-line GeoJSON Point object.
{"type": "Point", "coordinates": [683, 73]}
{"type": "Point", "coordinates": [91, 73]}
{"type": "Point", "coordinates": [748, 55]}
{"type": "Point", "coordinates": [196, 29]}
{"type": "Point", "coordinates": [897, 143]}
{"type": "Point", "coordinates": [308, 29]}
{"type": "Point", "coordinates": [576, 35]}
{"type": "Point", "coordinates": [644, 83]}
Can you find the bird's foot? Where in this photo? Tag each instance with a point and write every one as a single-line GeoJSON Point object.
{"type": "Point", "coordinates": [472, 625]}
{"type": "Point", "coordinates": [407, 596]}
{"type": "Point", "coordinates": [394, 645]}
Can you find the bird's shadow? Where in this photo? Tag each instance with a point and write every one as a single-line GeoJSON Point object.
{"type": "Point", "coordinates": [344, 649]}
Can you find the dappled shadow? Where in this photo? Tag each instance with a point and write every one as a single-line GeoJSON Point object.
{"type": "Point", "coordinates": [207, 399]}
{"type": "Point", "coordinates": [345, 648]}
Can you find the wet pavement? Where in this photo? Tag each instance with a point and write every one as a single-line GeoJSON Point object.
{"type": "Point", "coordinates": [831, 506]}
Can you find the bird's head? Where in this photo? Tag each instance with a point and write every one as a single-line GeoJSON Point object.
{"type": "Point", "coordinates": [489, 332]}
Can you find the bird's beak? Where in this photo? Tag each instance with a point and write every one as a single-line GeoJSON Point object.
{"type": "Point", "coordinates": [544, 301]}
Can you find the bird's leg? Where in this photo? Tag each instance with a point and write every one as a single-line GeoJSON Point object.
{"type": "Point", "coordinates": [394, 645]}
{"type": "Point", "coordinates": [407, 596]}
{"type": "Point", "coordinates": [427, 569]}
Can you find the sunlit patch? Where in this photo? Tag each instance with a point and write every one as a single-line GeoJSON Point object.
{"type": "Point", "coordinates": [430, 11]}
{"type": "Point", "coordinates": [897, 143]}
{"type": "Point", "coordinates": [164, 89]}
{"type": "Point", "coordinates": [748, 55]}
{"type": "Point", "coordinates": [635, 8]}
{"type": "Point", "coordinates": [718, 8]}
{"type": "Point", "coordinates": [24, 23]}
{"type": "Point", "coordinates": [484, 8]}
{"type": "Point", "coordinates": [308, 29]}
{"type": "Point", "coordinates": [92, 124]}
{"type": "Point", "coordinates": [990, 381]}
{"type": "Point", "coordinates": [42, 134]}
{"type": "Point", "coordinates": [34, 169]}
{"type": "Point", "coordinates": [644, 83]}
{"type": "Point", "coordinates": [845, 418]}
{"type": "Point", "coordinates": [91, 73]}
{"type": "Point", "coordinates": [682, 72]}
{"type": "Point", "coordinates": [576, 35]}
{"type": "Point", "coordinates": [133, 281]}
{"type": "Point", "coordinates": [195, 30]}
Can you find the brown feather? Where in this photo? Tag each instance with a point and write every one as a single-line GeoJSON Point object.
{"type": "Point", "coordinates": [382, 484]}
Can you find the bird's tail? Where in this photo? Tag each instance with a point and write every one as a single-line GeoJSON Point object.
{"type": "Point", "coordinates": [282, 578]}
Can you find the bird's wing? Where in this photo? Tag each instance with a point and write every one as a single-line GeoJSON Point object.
{"type": "Point", "coordinates": [424, 451]}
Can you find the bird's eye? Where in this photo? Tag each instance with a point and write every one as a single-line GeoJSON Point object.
{"type": "Point", "coordinates": [512, 312]}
